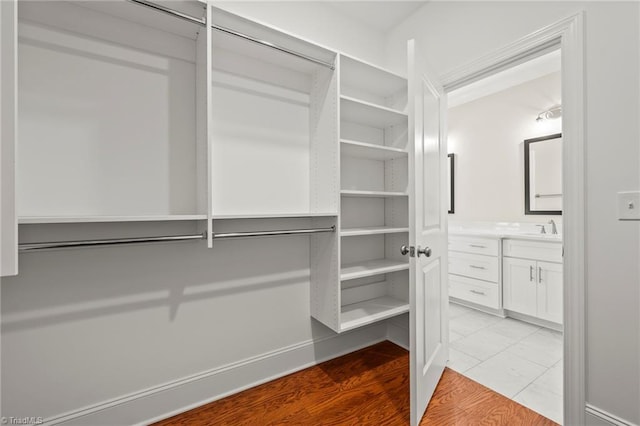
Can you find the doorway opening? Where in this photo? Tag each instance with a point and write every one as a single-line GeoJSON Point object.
{"type": "Point", "coordinates": [506, 232]}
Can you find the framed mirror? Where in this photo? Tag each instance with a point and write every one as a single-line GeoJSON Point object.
{"type": "Point", "coordinates": [543, 175]}
{"type": "Point", "coordinates": [451, 180]}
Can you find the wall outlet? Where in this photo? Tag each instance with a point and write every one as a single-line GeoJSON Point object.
{"type": "Point", "coordinates": [629, 205]}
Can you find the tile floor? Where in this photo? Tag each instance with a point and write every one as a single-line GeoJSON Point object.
{"type": "Point", "coordinates": [518, 360]}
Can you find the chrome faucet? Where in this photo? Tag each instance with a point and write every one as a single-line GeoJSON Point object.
{"type": "Point", "coordinates": [554, 229]}
{"type": "Point", "coordinates": [542, 230]}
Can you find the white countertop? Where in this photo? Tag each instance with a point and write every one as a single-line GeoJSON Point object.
{"type": "Point", "coordinates": [518, 231]}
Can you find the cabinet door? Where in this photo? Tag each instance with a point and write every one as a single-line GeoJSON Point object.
{"type": "Point", "coordinates": [8, 125]}
{"type": "Point", "coordinates": [550, 291]}
{"type": "Point", "coordinates": [519, 284]}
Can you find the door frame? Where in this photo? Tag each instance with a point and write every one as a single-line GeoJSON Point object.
{"type": "Point", "coordinates": [568, 35]}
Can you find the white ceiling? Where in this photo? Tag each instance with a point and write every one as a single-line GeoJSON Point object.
{"type": "Point", "coordinates": [527, 71]}
{"type": "Point", "coordinates": [380, 15]}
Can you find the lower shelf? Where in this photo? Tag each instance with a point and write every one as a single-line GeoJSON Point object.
{"type": "Point", "coordinates": [369, 311]}
{"type": "Point", "coordinates": [371, 267]}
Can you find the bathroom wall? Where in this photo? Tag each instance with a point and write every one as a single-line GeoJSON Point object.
{"type": "Point", "coordinates": [487, 137]}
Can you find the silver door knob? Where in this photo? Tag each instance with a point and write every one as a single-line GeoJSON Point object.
{"type": "Point", "coordinates": [426, 251]}
{"type": "Point", "coordinates": [404, 250]}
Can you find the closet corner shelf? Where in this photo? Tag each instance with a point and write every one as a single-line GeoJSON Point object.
{"type": "Point", "coordinates": [273, 215]}
{"type": "Point", "coordinates": [25, 220]}
{"type": "Point", "coordinates": [369, 311]}
{"type": "Point", "coordinates": [371, 77]}
{"type": "Point", "coordinates": [371, 151]}
{"type": "Point", "coordinates": [372, 230]}
{"type": "Point", "coordinates": [358, 111]}
{"type": "Point", "coordinates": [374, 194]}
{"type": "Point", "coordinates": [371, 267]}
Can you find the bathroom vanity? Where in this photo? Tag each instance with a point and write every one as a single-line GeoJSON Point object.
{"type": "Point", "coordinates": [510, 271]}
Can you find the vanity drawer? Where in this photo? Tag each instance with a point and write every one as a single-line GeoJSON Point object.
{"type": "Point", "coordinates": [535, 250]}
{"type": "Point", "coordinates": [474, 266]}
{"type": "Point", "coordinates": [477, 245]}
{"type": "Point", "coordinates": [475, 291]}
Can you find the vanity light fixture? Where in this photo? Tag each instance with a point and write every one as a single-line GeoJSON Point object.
{"type": "Point", "coordinates": [551, 113]}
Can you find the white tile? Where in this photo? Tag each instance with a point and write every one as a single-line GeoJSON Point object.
{"type": "Point", "coordinates": [541, 400]}
{"type": "Point", "coordinates": [461, 362]}
{"type": "Point", "coordinates": [543, 347]}
{"type": "Point", "coordinates": [453, 336]}
{"type": "Point", "coordinates": [458, 310]}
{"type": "Point", "coordinates": [513, 328]}
{"type": "Point", "coordinates": [505, 373]}
{"type": "Point", "coordinates": [482, 344]}
{"type": "Point", "coordinates": [471, 322]}
{"type": "Point", "coordinates": [552, 379]}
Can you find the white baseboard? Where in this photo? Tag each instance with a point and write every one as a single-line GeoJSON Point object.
{"type": "Point", "coordinates": [158, 403]}
{"type": "Point", "coordinates": [597, 417]}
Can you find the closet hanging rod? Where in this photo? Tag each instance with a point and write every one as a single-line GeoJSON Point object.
{"type": "Point", "coordinates": [144, 240]}
{"type": "Point", "coordinates": [108, 242]}
{"type": "Point", "coordinates": [202, 22]}
{"type": "Point", "coordinates": [173, 12]}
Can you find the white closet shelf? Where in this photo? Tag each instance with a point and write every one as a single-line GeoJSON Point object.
{"type": "Point", "coordinates": [369, 311]}
{"type": "Point", "coordinates": [371, 78]}
{"type": "Point", "coordinates": [373, 194]}
{"type": "Point", "coordinates": [371, 151]}
{"type": "Point", "coordinates": [273, 215]}
{"type": "Point", "coordinates": [361, 112]}
{"type": "Point", "coordinates": [372, 230]}
{"type": "Point", "coordinates": [102, 219]}
{"type": "Point", "coordinates": [370, 268]}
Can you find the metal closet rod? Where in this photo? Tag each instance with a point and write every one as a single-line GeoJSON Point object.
{"type": "Point", "coordinates": [169, 238]}
{"type": "Point", "coordinates": [203, 22]}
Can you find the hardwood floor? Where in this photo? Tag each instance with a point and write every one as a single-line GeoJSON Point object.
{"type": "Point", "coordinates": [367, 387]}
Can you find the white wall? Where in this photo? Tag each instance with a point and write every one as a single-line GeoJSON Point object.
{"type": "Point", "coordinates": [487, 137]}
{"type": "Point", "coordinates": [453, 34]}
{"type": "Point", "coordinates": [81, 328]}
{"type": "Point", "coordinates": [317, 22]}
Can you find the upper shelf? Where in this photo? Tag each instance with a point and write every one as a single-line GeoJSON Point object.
{"type": "Point", "coordinates": [273, 215]}
{"type": "Point", "coordinates": [366, 113]}
{"type": "Point", "coordinates": [370, 151]}
{"type": "Point", "coordinates": [105, 219]}
{"type": "Point", "coordinates": [370, 78]}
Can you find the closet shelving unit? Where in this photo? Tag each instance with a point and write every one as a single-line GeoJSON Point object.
{"type": "Point", "coordinates": [272, 132]}
{"type": "Point", "coordinates": [135, 115]}
{"type": "Point", "coordinates": [108, 119]}
{"type": "Point", "coordinates": [373, 281]}
{"type": "Point", "coordinates": [133, 121]}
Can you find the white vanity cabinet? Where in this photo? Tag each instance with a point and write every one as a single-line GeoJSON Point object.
{"type": "Point", "coordinates": [532, 278]}
{"type": "Point", "coordinates": [474, 270]}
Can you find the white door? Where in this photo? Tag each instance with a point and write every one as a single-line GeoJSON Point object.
{"type": "Point", "coordinates": [429, 327]}
{"type": "Point", "coordinates": [550, 291]}
{"type": "Point", "coordinates": [519, 283]}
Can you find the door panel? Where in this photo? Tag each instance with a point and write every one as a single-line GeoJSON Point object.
{"type": "Point", "coordinates": [550, 291]}
{"type": "Point", "coordinates": [432, 311]}
{"type": "Point", "coordinates": [428, 223]}
{"type": "Point", "coordinates": [520, 288]}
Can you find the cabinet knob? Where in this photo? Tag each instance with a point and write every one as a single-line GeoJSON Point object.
{"type": "Point", "coordinates": [404, 250]}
